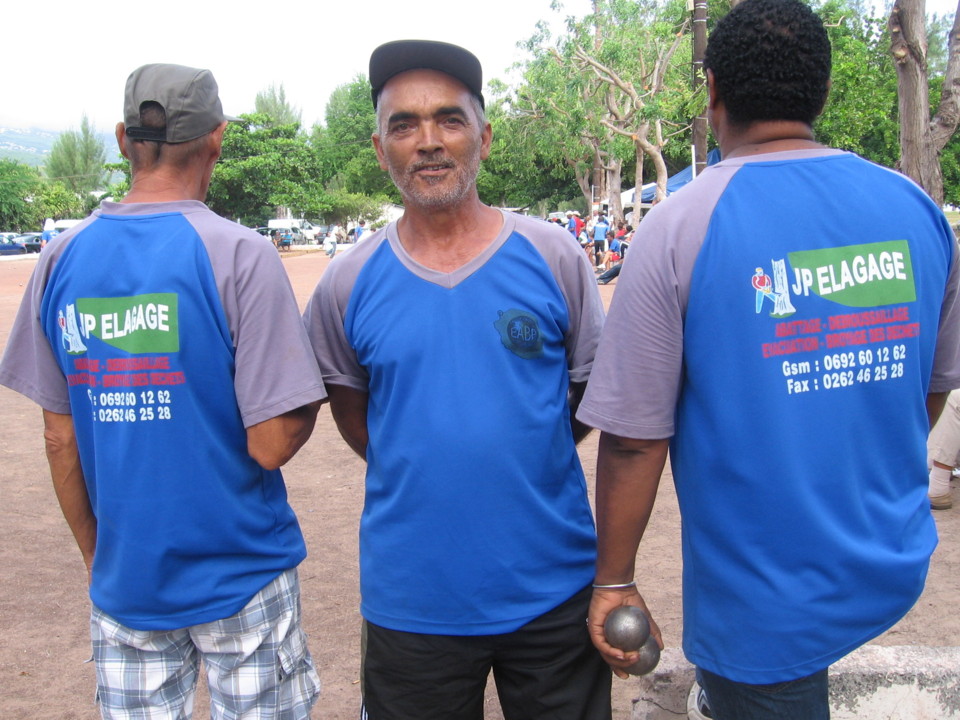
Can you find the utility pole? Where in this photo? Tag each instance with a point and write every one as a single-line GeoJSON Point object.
{"type": "Point", "coordinates": [699, 84]}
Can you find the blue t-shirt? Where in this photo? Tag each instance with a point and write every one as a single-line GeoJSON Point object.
{"type": "Point", "coordinates": [142, 331]}
{"type": "Point", "coordinates": [600, 231]}
{"type": "Point", "coordinates": [476, 518]}
{"type": "Point", "coordinates": [783, 324]}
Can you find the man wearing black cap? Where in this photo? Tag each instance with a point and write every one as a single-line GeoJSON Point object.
{"type": "Point", "coordinates": [453, 343]}
{"type": "Point", "coordinates": [149, 335]}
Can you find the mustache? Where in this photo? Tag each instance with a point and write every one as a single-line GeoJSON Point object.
{"type": "Point", "coordinates": [425, 164]}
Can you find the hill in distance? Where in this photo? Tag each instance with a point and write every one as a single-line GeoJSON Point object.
{"type": "Point", "coordinates": [31, 146]}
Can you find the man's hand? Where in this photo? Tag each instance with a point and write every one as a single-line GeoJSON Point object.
{"type": "Point", "coordinates": [603, 603]}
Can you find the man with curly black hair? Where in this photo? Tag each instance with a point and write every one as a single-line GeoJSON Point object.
{"type": "Point", "coordinates": [771, 62]}
{"type": "Point", "coordinates": [796, 427]}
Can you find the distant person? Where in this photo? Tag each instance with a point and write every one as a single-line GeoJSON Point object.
{"type": "Point", "coordinates": [49, 232]}
{"type": "Point", "coordinates": [455, 343]}
{"type": "Point", "coordinates": [943, 453]}
{"type": "Point", "coordinates": [360, 229]}
{"type": "Point", "coordinates": [600, 230]}
{"type": "Point", "coordinates": [612, 256]}
{"type": "Point", "coordinates": [606, 276]}
{"type": "Point", "coordinates": [591, 223]}
{"type": "Point", "coordinates": [330, 241]}
{"type": "Point", "coordinates": [800, 465]}
{"type": "Point", "coordinates": [166, 419]}
{"type": "Point", "coordinates": [579, 223]}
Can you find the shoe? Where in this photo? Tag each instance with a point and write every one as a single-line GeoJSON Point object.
{"type": "Point", "coordinates": [941, 502]}
{"type": "Point", "coordinates": [697, 708]}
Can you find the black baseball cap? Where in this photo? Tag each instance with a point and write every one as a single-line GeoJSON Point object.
{"type": "Point", "coordinates": [398, 56]}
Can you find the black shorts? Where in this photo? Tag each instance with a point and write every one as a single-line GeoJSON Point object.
{"type": "Point", "coordinates": [546, 669]}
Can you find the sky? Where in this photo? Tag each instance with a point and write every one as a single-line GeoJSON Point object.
{"type": "Point", "coordinates": [80, 53]}
{"type": "Point", "coordinates": [75, 58]}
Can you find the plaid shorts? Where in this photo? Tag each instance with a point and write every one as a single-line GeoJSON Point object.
{"type": "Point", "coordinates": [257, 663]}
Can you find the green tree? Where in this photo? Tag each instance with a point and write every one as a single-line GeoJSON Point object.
{"type": "Point", "coordinates": [53, 199]}
{"type": "Point", "coordinates": [556, 117]}
{"type": "Point", "coordinates": [861, 110]}
{"type": "Point", "coordinates": [347, 158]}
{"type": "Point", "coordinates": [77, 159]}
{"type": "Point", "coordinates": [617, 93]}
{"type": "Point", "coordinates": [641, 56]}
{"type": "Point", "coordinates": [18, 182]}
{"type": "Point", "coordinates": [263, 167]}
{"type": "Point", "coordinates": [273, 103]}
{"type": "Point", "coordinates": [541, 149]}
{"type": "Point", "coordinates": [346, 206]}
{"type": "Point", "coordinates": [27, 199]}
{"type": "Point", "coordinates": [120, 171]}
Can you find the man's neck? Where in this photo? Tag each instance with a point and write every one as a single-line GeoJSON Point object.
{"type": "Point", "coordinates": [767, 137]}
{"type": "Point", "coordinates": [447, 239]}
{"type": "Point", "coordinates": [167, 186]}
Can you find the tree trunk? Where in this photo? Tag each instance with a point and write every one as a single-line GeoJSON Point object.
{"type": "Point", "coordinates": [945, 122]}
{"type": "Point", "coordinates": [637, 187]}
{"type": "Point", "coordinates": [583, 181]}
{"type": "Point", "coordinates": [614, 188]}
{"type": "Point", "coordinates": [908, 45]}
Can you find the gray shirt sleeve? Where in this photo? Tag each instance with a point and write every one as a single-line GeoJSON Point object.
{"type": "Point", "coordinates": [636, 377]}
{"type": "Point", "coordinates": [325, 313]}
{"type": "Point", "coordinates": [946, 359]}
{"type": "Point", "coordinates": [29, 366]}
{"type": "Point", "coordinates": [275, 368]}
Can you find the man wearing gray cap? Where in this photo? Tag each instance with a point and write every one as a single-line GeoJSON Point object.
{"type": "Point", "coordinates": [454, 343]}
{"type": "Point", "coordinates": [149, 336]}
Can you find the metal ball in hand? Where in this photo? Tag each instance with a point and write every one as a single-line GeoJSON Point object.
{"type": "Point", "coordinates": [649, 658]}
{"type": "Point", "coordinates": [627, 628]}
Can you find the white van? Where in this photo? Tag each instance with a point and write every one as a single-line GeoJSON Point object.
{"type": "Point", "coordinates": [61, 225]}
{"type": "Point", "coordinates": [303, 230]}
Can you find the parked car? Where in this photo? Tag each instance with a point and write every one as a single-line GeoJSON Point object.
{"type": "Point", "coordinates": [31, 241]}
{"type": "Point", "coordinates": [9, 247]}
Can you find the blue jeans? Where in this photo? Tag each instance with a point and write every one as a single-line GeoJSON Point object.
{"type": "Point", "coordinates": [805, 698]}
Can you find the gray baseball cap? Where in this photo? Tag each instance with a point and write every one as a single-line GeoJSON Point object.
{"type": "Point", "coordinates": [189, 98]}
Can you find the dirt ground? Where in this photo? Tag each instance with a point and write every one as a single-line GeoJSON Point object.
{"type": "Point", "coordinates": [43, 599]}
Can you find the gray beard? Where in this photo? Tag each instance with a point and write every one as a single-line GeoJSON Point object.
{"type": "Point", "coordinates": [436, 198]}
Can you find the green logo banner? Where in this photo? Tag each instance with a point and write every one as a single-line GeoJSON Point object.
{"type": "Point", "coordinates": [857, 275]}
{"type": "Point", "coordinates": [137, 324]}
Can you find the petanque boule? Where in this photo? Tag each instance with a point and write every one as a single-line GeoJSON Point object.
{"type": "Point", "coordinates": [627, 628]}
{"type": "Point", "coordinates": [649, 658]}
